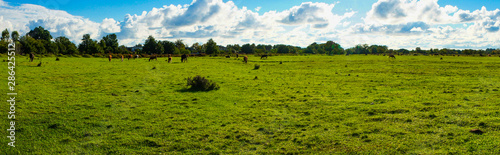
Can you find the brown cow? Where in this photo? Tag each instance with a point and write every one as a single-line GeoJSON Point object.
{"type": "Point", "coordinates": [130, 56]}
{"type": "Point", "coordinates": [32, 56]}
{"type": "Point", "coordinates": [392, 56]}
{"type": "Point", "coordinates": [245, 59]}
{"type": "Point", "coordinates": [169, 58]}
{"type": "Point", "coordinates": [110, 57]}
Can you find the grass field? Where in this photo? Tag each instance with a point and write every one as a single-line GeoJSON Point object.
{"type": "Point", "coordinates": [308, 104]}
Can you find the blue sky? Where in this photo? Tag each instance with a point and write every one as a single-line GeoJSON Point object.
{"type": "Point", "coordinates": [396, 23]}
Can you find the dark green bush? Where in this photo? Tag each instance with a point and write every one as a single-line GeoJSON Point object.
{"type": "Point", "coordinates": [201, 84]}
{"type": "Point", "coordinates": [256, 66]}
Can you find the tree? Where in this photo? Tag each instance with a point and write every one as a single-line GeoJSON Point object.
{"type": "Point", "coordinates": [85, 44]}
{"type": "Point", "coordinates": [151, 46]}
{"type": "Point", "coordinates": [40, 33]}
{"type": "Point", "coordinates": [196, 48]}
{"type": "Point", "coordinates": [247, 48]}
{"type": "Point", "coordinates": [65, 46]}
{"type": "Point", "coordinates": [179, 44]}
{"type": "Point", "coordinates": [5, 35]}
{"type": "Point", "coordinates": [168, 47]}
{"type": "Point", "coordinates": [15, 36]}
{"type": "Point", "coordinates": [109, 43]}
{"type": "Point", "coordinates": [211, 47]}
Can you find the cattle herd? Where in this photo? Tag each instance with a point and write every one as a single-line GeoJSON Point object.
{"type": "Point", "coordinates": [184, 57]}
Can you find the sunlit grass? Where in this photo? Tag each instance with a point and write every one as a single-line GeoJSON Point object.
{"type": "Point", "coordinates": [307, 104]}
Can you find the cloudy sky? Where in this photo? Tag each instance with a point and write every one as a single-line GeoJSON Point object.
{"type": "Point", "coordinates": [395, 23]}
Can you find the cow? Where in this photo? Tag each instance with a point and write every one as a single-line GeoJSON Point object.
{"type": "Point", "coordinates": [110, 57]}
{"type": "Point", "coordinates": [169, 58]}
{"type": "Point", "coordinates": [184, 58]}
{"type": "Point", "coordinates": [228, 56]}
{"type": "Point", "coordinates": [245, 59]}
{"type": "Point", "coordinates": [263, 56]}
{"type": "Point", "coordinates": [122, 58]}
{"type": "Point", "coordinates": [153, 57]}
{"type": "Point", "coordinates": [392, 56]}
{"type": "Point", "coordinates": [130, 56]}
{"type": "Point", "coordinates": [32, 56]}
{"type": "Point", "coordinates": [236, 55]}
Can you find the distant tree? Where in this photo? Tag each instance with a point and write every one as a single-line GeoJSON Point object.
{"type": "Point", "coordinates": [85, 44]}
{"type": "Point", "coordinates": [179, 44]}
{"type": "Point", "coordinates": [5, 35]}
{"type": "Point", "coordinates": [196, 48]}
{"type": "Point", "coordinates": [151, 46]}
{"type": "Point", "coordinates": [65, 46]}
{"type": "Point", "coordinates": [168, 47]}
{"type": "Point", "coordinates": [15, 36]}
{"type": "Point", "coordinates": [109, 43]}
{"type": "Point", "coordinates": [211, 47]}
{"type": "Point", "coordinates": [247, 48]}
{"type": "Point", "coordinates": [40, 33]}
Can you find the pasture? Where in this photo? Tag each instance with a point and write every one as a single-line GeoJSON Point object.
{"type": "Point", "coordinates": [308, 105]}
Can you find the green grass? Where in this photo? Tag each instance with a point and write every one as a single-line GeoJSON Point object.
{"type": "Point", "coordinates": [309, 104]}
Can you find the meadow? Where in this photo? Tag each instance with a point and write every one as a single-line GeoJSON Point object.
{"type": "Point", "coordinates": [312, 104]}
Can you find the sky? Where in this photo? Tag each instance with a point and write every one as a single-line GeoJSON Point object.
{"type": "Point", "coordinates": [459, 24]}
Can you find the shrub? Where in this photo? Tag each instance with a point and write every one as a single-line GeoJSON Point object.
{"type": "Point", "coordinates": [256, 66]}
{"type": "Point", "coordinates": [200, 83]}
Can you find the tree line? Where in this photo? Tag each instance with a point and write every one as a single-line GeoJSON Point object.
{"type": "Point", "coordinates": [40, 41]}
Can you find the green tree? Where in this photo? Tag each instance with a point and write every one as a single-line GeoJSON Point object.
{"type": "Point", "coordinates": [65, 46]}
{"type": "Point", "coordinates": [15, 36]}
{"type": "Point", "coordinates": [40, 33]}
{"type": "Point", "coordinates": [211, 47]}
{"type": "Point", "coordinates": [109, 43]}
{"type": "Point", "coordinates": [196, 48]}
{"type": "Point", "coordinates": [179, 44]}
{"type": "Point", "coordinates": [247, 48]}
{"type": "Point", "coordinates": [151, 46]}
{"type": "Point", "coordinates": [168, 47]}
{"type": "Point", "coordinates": [5, 35]}
{"type": "Point", "coordinates": [84, 46]}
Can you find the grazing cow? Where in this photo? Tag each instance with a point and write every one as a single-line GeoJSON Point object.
{"type": "Point", "coordinates": [263, 56]}
{"type": "Point", "coordinates": [57, 59]}
{"type": "Point", "coordinates": [392, 56]}
{"type": "Point", "coordinates": [169, 58]}
{"type": "Point", "coordinates": [110, 57]}
{"type": "Point", "coordinates": [228, 56]}
{"type": "Point", "coordinates": [32, 56]}
{"type": "Point", "coordinates": [245, 59]}
{"type": "Point", "coordinates": [184, 58]}
{"type": "Point", "coordinates": [153, 57]}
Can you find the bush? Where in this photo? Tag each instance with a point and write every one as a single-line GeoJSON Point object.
{"type": "Point", "coordinates": [200, 83]}
{"type": "Point", "coordinates": [256, 66]}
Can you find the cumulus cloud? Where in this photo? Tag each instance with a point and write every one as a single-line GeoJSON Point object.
{"type": "Point", "coordinates": [25, 17]}
{"type": "Point", "coordinates": [396, 23]}
{"type": "Point", "coordinates": [407, 23]}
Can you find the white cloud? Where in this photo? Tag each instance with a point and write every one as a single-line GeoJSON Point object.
{"type": "Point", "coordinates": [258, 8]}
{"type": "Point", "coordinates": [412, 23]}
{"type": "Point", "coordinates": [396, 23]}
